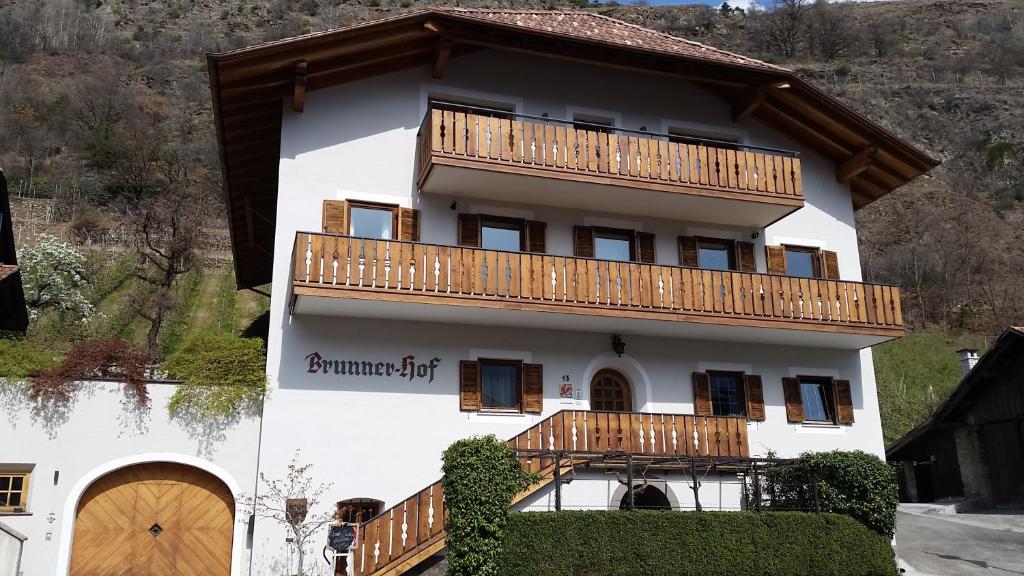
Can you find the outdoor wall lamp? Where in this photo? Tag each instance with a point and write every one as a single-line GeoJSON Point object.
{"type": "Point", "coordinates": [618, 345]}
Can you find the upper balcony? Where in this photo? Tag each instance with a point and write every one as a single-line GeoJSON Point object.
{"type": "Point", "coordinates": [496, 155]}
{"type": "Point", "coordinates": [348, 276]}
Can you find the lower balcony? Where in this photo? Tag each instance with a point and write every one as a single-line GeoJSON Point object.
{"type": "Point", "coordinates": [360, 277]}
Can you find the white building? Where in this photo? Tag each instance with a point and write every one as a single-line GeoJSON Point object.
{"type": "Point", "coordinates": [598, 240]}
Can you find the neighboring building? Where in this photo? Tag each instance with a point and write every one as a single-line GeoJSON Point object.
{"type": "Point", "coordinates": [13, 313]}
{"type": "Point", "coordinates": [972, 448]}
{"type": "Point", "coordinates": [607, 244]}
{"type": "Point", "coordinates": [102, 486]}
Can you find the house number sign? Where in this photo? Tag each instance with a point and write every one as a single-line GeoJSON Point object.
{"type": "Point", "coordinates": [407, 367]}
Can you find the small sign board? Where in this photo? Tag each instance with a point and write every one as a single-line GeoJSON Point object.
{"type": "Point", "coordinates": [341, 537]}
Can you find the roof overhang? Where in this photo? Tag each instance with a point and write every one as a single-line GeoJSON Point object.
{"type": "Point", "coordinates": [249, 86]}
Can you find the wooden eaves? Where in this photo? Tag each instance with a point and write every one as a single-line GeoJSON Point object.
{"type": "Point", "coordinates": [251, 86]}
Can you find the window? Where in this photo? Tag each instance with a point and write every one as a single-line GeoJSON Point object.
{"type": "Point", "coordinates": [716, 254]}
{"type": "Point", "coordinates": [502, 233]}
{"type": "Point", "coordinates": [368, 220]}
{"type": "Point", "coordinates": [818, 399]}
{"type": "Point", "coordinates": [612, 244]}
{"type": "Point", "coordinates": [500, 385]}
{"type": "Point", "coordinates": [688, 136]}
{"type": "Point", "coordinates": [803, 261]}
{"type": "Point", "coordinates": [13, 491]}
{"type": "Point", "coordinates": [727, 394]}
{"type": "Point", "coordinates": [610, 391]}
{"type": "Point", "coordinates": [358, 510]}
{"type": "Point", "coordinates": [590, 122]}
{"type": "Point", "coordinates": [481, 107]}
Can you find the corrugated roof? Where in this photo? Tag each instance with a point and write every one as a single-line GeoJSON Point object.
{"type": "Point", "coordinates": [590, 26]}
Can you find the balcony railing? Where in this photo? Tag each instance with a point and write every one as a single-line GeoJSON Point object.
{"type": "Point", "coordinates": [490, 139]}
{"type": "Point", "coordinates": [344, 266]}
{"type": "Point", "coordinates": [414, 528]}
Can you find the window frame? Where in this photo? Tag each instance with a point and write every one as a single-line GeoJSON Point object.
{"type": "Point", "coordinates": [518, 364]}
{"type": "Point", "coordinates": [616, 234]}
{"type": "Point", "coordinates": [593, 122]}
{"type": "Point", "coordinates": [815, 253]}
{"type": "Point", "coordinates": [503, 110]}
{"type": "Point", "coordinates": [827, 384]}
{"type": "Point", "coordinates": [22, 506]}
{"type": "Point", "coordinates": [368, 205]}
{"type": "Point", "coordinates": [504, 222]}
{"type": "Point", "coordinates": [730, 250]}
{"type": "Point", "coordinates": [718, 140]}
{"type": "Point", "coordinates": [741, 389]}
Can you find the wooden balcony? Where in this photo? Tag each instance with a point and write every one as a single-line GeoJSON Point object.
{"type": "Point", "coordinates": [475, 152]}
{"type": "Point", "coordinates": [342, 275]}
{"type": "Point", "coordinates": [409, 532]}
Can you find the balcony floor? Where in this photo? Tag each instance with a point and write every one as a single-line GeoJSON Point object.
{"type": "Point", "coordinates": [366, 303]}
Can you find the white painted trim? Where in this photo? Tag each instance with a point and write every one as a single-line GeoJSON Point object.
{"type": "Point", "coordinates": [374, 197]}
{"type": "Point", "coordinates": [629, 368]}
{"type": "Point", "coordinates": [67, 528]}
{"type": "Point", "coordinates": [501, 211]}
{"type": "Point", "coordinates": [795, 371]}
{"type": "Point", "coordinates": [725, 367]}
{"type": "Point", "coordinates": [710, 130]}
{"type": "Point", "coordinates": [478, 353]}
{"type": "Point", "coordinates": [795, 241]}
{"type": "Point", "coordinates": [439, 91]}
{"type": "Point", "coordinates": [613, 223]}
{"type": "Point", "coordinates": [616, 117]}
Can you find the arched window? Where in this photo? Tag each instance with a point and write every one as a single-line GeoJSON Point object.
{"type": "Point", "coordinates": [609, 390]}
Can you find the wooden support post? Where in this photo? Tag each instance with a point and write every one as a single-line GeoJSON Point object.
{"type": "Point", "coordinates": [558, 482]}
{"type": "Point", "coordinates": [444, 50]}
{"type": "Point", "coordinates": [299, 93]}
{"type": "Point", "coordinates": [748, 102]}
{"type": "Point", "coordinates": [856, 164]}
{"type": "Point", "coordinates": [630, 502]}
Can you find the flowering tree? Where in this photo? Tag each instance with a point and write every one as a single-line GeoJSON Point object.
{"type": "Point", "coordinates": [53, 274]}
{"type": "Point", "coordinates": [291, 502]}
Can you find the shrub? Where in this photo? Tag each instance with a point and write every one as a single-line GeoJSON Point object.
{"type": "Point", "coordinates": [480, 477]}
{"type": "Point", "coordinates": [108, 358]}
{"type": "Point", "coordinates": [222, 375]}
{"type": "Point", "coordinates": [614, 543]}
{"type": "Point", "coordinates": [854, 483]}
{"type": "Point", "coordinates": [20, 359]}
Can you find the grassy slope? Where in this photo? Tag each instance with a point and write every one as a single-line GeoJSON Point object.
{"type": "Point", "coordinates": [915, 374]}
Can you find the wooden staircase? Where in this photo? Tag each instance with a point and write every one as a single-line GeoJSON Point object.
{"type": "Point", "coordinates": [413, 530]}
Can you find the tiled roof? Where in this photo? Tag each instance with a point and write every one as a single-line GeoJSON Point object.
{"type": "Point", "coordinates": [6, 270]}
{"type": "Point", "coordinates": [591, 26]}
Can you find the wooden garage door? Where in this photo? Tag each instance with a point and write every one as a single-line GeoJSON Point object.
{"type": "Point", "coordinates": [154, 520]}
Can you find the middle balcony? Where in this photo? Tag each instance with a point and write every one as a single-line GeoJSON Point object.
{"type": "Point", "coordinates": [335, 275]}
{"type": "Point", "coordinates": [492, 154]}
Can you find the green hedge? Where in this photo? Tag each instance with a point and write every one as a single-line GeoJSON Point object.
{"type": "Point", "coordinates": [613, 543]}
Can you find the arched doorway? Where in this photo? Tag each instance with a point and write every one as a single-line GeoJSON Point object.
{"type": "Point", "coordinates": [609, 390]}
{"type": "Point", "coordinates": [646, 497]}
{"type": "Point", "coordinates": [154, 519]}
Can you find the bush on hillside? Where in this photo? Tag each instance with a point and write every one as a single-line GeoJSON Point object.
{"type": "Point", "coordinates": [480, 477]}
{"type": "Point", "coordinates": [614, 543]}
{"type": "Point", "coordinates": [853, 483]}
{"type": "Point", "coordinates": [223, 374]}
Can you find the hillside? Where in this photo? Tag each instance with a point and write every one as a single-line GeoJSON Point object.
{"type": "Point", "coordinates": [105, 113]}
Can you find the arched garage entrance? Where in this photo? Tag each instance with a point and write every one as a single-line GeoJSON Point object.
{"type": "Point", "coordinates": [154, 519]}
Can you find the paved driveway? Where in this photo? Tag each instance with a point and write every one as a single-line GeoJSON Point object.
{"type": "Point", "coordinates": [961, 544]}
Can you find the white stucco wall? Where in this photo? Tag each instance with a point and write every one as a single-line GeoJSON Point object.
{"type": "Point", "coordinates": [67, 448]}
{"type": "Point", "coordinates": [385, 435]}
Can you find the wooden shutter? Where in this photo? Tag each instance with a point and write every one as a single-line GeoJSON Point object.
{"type": "Point", "coordinates": [409, 224]}
{"type": "Point", "coordinates": [334, 216]}
{"type": "Point", "coordinates": [776, 256]}
{"type": "Point", "coordinates": [533, 388]}
{"type": "Point", "coordinates": [469, 386]}
{"type": "Point", "coordinates": [645, 247]}
{"type": "Point", "coordinates": [844, 402]}
{"type": "Point", "coordinates": [702, 394]}
{"type": "Point", "coordinates": [535, 236]}
{"type": "Point", "coordinates": [688, 255]}
{"type": "Point", "coordinates": [469, 230]}
{"type": "Point", "coordinates": [755, 397]}
{"type": "Point", "coordinates": [583, 244]}
{"type": "Point", "coordinates": [830, 264]}
{"type": "Point", "coordinates": [794, 400]}
{"type": "Point", "coordinates": [745, 261]}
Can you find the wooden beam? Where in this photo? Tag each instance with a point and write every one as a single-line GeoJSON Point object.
{"type": "Point", "coordinates": [748, 102]}
{"type": "Point", "coordinates": [299, 93]}
{"type": "Point", "coordinates": [444, 50]}
{"type": "Point", "coordinates": [856, 164]}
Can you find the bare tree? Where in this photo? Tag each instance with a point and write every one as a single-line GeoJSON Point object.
{"type": "Point", "coordinates": [786, 27]}
{"type": "Point", "coordinates": [329, 13]}
{"type": "Point", "coordinates": [169, 230]}
{"type": "Point", "coordinates": [830, 30]}
{"type": "Point", "coordinates": [292, 502]}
